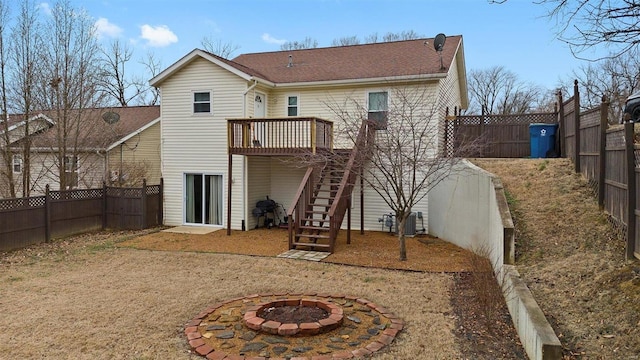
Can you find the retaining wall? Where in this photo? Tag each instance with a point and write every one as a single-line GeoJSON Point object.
{"type": "Point", "coordinates": [469, 208]}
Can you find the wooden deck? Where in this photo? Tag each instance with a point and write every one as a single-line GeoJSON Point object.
{"type": "Point", "coordinates": [279, 136]}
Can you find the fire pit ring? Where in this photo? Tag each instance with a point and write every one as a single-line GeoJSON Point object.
{"type": "Point", "coordinates": [254, 318]}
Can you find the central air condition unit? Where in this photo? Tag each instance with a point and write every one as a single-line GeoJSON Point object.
{"type": "Point", "coordinates": [409, 225]}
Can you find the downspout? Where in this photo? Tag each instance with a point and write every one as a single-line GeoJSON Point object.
{"type": "Point", "coordinates": [245, 166]}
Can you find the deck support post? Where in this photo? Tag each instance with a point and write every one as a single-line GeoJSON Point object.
{"type": "Point", "coordinates": [229, 184]}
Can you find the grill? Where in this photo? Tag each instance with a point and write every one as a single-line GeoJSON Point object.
{"type": "Point", "coordinates": [262, 210]}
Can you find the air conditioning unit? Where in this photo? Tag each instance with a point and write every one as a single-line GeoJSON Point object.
{"type": "Point", "coordinates": [409, 225]}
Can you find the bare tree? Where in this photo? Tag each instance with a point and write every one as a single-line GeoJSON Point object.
{"type": "Point", "coordinates": [586, 23]}
{"type": "Point", "coordinates": [24, 74]}
{"type": "Point", "coordinates": [218, 47]}
{"type": "Point", "coordinates": [499, 91]}
{"type": "Point", "coordinates": [402, 164]}
{"type": "Point", "coordinates": [6, 171]}
{"type": "Point", "coordinates": [403, 35]}
{"type": "Point", "coordinates": [114, 81]}
{"type": "Point", "coordinates": [616, 77]}
{"type": "Point", "coordinates": [151, 95]}
{"type": "Point", "coordinates": [70, 64]}
{"type": "Point", "coordinates": [346, 41]}
{"type": "Point", "coordinates": [307, 43]}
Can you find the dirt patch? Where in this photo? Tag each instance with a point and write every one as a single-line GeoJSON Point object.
{"type": "Point", "coordinates": [294, 314]}
{"type": "Point", "coordinates": [572, 259]}
{"type": "Point", "coordinates": [373, 249]}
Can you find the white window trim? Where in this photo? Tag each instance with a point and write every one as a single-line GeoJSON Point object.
{"type": "Point", "coordinates": [184, 198]}
{"type": "Point", "coordinates": [286, 105]}
{"type": "Point", "coordinates": [193, 102]}
{"type": "Point", "coordinates": [77, 166]}
{"type": "Point", "coordinates": [379, 91]}
{"type": "Point", "coordinates": [13, 163]}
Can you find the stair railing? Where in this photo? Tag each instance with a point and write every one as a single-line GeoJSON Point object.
{"type": "Point", "coordinates": [352, 169]}
{"type": "Point", "coordinates": [299, 204]}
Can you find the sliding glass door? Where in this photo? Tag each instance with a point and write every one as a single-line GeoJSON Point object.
{"type": "Point", "coordinates": [203, 199]}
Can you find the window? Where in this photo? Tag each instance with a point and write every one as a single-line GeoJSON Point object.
{"type": "Point", "coordinates": [71, 166]}
{"type": "Point", "coordinates": [378, 108]}
{"type": "Point", "coordinates": [292, 105]}
{"type": "Point", "coordinates": [201, 102]}
{"type": "Point", "coordinates": [17, 163]}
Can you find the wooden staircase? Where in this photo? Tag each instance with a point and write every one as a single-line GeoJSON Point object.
{"type": "Point", "coordinates": [324, 196]}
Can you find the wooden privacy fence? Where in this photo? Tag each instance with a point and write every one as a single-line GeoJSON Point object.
{"type": "Point", "coordinates": [493, 136]}
{"type": "Point", "coordinates": [609, 159]}
{"type": "Point", "coordinates": [33, 220]}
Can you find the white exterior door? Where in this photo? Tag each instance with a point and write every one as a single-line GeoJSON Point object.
{"type": "Point", "coordinates": [259, 111]}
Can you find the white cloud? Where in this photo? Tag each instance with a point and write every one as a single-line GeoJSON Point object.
{"type": "Point", "coordinates": [45, 8]}
{"type": "Point", "coordinates": [106, 29]}
{"type": "Point", "coordinates": [158, 36]}
{"type": "Point", "coordinates": [271, 40]}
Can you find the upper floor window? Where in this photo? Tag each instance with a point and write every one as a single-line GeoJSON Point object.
{"type": "Point", "coordinates": [202, 102]}
{"type": "Point", "coordinates": [17, 163]}
{"type": "Point", "coordinates": [292, 105]}
{"type": "Point", "coordinates": [378, 108]}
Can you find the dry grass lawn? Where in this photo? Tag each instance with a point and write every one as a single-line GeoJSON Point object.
{"type": "Point", "coordinates": [87, 298]}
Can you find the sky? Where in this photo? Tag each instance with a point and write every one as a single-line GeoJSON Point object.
{"type": "Point", "coordinates": [515, 34]}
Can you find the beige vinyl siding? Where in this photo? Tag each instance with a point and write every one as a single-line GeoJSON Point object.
{"type": "Point", "coordinates": [285, 180]}
{"type": "Point", "coordinates": [318, 102]}
{"type": "Point", "coordinates": [140, 154]}
{"type": "Point", "coordinates": [258, 184]}
{"type": "Point", "coordinates": [197, 143]}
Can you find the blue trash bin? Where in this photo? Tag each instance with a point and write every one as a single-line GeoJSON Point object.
{"type": "Point", "coordinates": [542, 138]}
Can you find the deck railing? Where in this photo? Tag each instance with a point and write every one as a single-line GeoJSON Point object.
{"type": "Point", "coordinates": [281, 136]}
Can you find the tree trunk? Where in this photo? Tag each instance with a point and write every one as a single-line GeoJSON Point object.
{"type": "Point", "coordinates": [401, 238]}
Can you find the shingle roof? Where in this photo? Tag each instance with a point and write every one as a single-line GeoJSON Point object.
{"type": "Point", "coordinates": [94, 131]}
{"type": "Point", "coordinates": [378, 60]}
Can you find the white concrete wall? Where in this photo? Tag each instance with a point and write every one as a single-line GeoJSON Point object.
{"type": "Point", "coordinates": [469, 209]}
{"type": "Point", "coordinates": [463, 210]}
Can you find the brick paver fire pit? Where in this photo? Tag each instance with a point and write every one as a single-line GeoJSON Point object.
{"type": "Point", "coordinates": [301, 326]}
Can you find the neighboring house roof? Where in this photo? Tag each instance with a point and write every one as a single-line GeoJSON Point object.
{"type": "Point", "coordinates": [379, 61]}
{"type": "Point", "coordinates": [93, 132]}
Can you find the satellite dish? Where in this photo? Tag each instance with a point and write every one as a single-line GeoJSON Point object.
{"type": "Point", "coordinates": [110, 117]}
{"type": "Point", "coordinates": [438, 42]}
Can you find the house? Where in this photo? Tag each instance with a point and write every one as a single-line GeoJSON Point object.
{"type": "Point", "coordinates": [231, 127]}
{"type": "Point", "coordinates": [117, 145]}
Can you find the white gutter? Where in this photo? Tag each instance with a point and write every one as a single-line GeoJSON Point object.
{"type": "Point", "coordinates": [409, 78]}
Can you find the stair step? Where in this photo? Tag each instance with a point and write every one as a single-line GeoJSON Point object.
{"type": "Point", "coordinates": [318, 228]}
{"type": "Point", "coordinates": [316, 212]}
{"type": "Point", "coordinates": [318, 247]}
{"type": "Point", "coordinates": [324, 197]}
{"type": "Point", "coordinates": [313, 236]}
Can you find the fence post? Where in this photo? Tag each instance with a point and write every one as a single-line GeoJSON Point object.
{"type": "Point", "coordinates": [576, 112]}
{"type": "Point", "coordinates": [144, 203]}
{"type": "Point", "coordinates": [121, 207]}
{"type": "Point", "coordinates": [47, 214]}
{"type": "Point", "coordinates": [631, 188]}
{"type": "Point", "coordinates": [104, 205]}
{"type": "Point", "coordinates": [561, 126]}
{"type": "Point", "coordinates": [602, 156]}
{"type": "Point", "coordinates": [161, 203]}
{"type": "Point", "coordinates": [445, 151]}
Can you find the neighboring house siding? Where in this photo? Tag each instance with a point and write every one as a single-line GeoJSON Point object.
{"type": "Point", "coordinates": [44, 171]}
{"type": "Point", "coordinates": [140, 158]}
{"type": "Point", "coordinates": [197, 143]}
